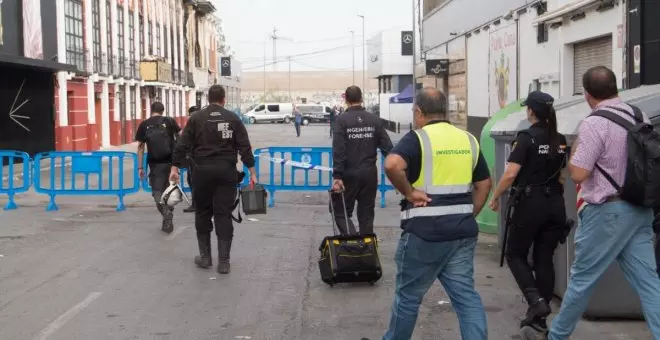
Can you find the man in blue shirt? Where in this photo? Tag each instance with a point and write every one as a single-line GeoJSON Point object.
{"type": "Point", "coordinates": [438, 217]}
{"type": "Point", "coordinates": [297, 120]}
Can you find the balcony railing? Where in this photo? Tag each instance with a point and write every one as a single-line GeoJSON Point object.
{"type": "Point", "coordinates": [98, 62]}
{"type": "Point", "coordinates": [136, 70]}
{"type": "Point", "coordinates": [182, 77]}
{"type": "Point", "coordinates": [112, 64]}
{"type": "Point", "coordinates": [128, 68]}
{"type": "Point", "coordinates": [76, 56]}
{"type": "Point", "coordinates": [121, 66]}
{"type": "Point", "coordinates": [189, 79]}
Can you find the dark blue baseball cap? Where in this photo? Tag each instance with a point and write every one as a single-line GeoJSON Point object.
{"type": "Point", "coordinates": [538, 101]}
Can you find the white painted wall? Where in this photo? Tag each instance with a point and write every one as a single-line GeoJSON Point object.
{"type": "Point", "coordinates": [594, 25]}
{"type": "Point", "coordinates": [386, 49]}
{"type": "Point", "coordinates": [477, 74]}
{"type": "Point", "coordinates": [401, 113]}
{"type": "Point", "coordinates": [537, 61]}
{"type": "Point", "coordinates": [384, 102]}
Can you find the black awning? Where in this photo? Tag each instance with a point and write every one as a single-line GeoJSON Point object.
{"type": "Point", "coordinates": [35, 64]}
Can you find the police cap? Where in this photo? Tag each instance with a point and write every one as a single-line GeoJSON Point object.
{"type": "Point", "coordinates": [538, 101]}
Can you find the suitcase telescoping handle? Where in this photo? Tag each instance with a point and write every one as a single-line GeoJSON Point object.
{"type": "Point", "coordinates": [335, 226]}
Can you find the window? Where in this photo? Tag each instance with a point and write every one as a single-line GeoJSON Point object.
{"type": "Point", "coordinates": [158, 40]}
{"type": "Point", "coordinates": [542, 33]}
{"type": "Point", "coordinates": [150, 32]}
{"type": "Point", "coordinates": [131, 43]}
{"type": "Point", "coordinates": [120, 40]}
{"type": "Point", "coordinates": [108, 25]}
{"type": "Point", "coordinates": [73, 23]}
{"type": "Point", "coordinates": [96, 34]}
{"type": "Point", "coordinates": [260, 108]}
{"type": "Point", "coordinates": [141, 37]}
{"type": "Point", "coordinates": [273, 108]}
{"type": "Point", "coordinates": [166, 50]}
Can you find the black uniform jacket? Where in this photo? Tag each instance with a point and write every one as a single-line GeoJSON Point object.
{"type": "Point", "coordinates": [357, 136]}
{"type": "Point", "coordinates": [213, 135]}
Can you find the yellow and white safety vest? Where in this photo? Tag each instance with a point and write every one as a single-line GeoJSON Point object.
{"type": "Point", "coordinates": [449, 157]}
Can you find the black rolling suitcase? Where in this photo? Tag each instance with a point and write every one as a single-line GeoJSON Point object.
{"type": "Point", "coordinates": [349, 258]}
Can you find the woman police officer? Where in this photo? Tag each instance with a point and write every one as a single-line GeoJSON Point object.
{"type": "Point", "coordinates": [534, 171]}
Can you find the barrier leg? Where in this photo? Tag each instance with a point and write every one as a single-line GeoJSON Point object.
{"type": "Point", "coordinates": [11, 203]}
{"type": "Point", "coordinates": [271, 198]}
{"type": "Point", "coordinates": [120, 203]}
{"type": "Point", "coordinates": [52, 206]}
{"type": "Point", "coordinates": [382, 198]}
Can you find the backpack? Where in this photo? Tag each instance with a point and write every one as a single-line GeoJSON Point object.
{"type": "Point", "coordinates": [641, 186]}
{"type": "Point", "coordinates": [160, 142]}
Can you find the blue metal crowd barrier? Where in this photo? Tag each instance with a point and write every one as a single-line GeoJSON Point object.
{"type": "Point", "coordinates": [146, 186]}
{"type": "Point", "coordinates": [115, 173]}
{"type": "Point", "coordinates": [107, 168]}
{"type": "Point", "coordinates": [309, 169]}
{"type": "Point", "coordinates": [9, 183]}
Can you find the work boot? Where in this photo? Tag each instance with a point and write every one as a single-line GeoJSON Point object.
{"type": "Point", "coordinates": [204, 260]}
{"type": "Point", "coordinates": [168, 223]}
{"type": "Point", "coordinates": [190, 209]}
{"type": "Point", "coordinates": [224, 248]}
{"type": "Point", "coordinates": [538, 307]}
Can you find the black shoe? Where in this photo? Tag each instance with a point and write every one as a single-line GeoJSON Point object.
{"type": "Point", "coordinates": [168, 223]}
{"type": "Point", "coordinates": [204, 259]}
{"type": "Point", "coordinates": [224, 249]}
{"type": "Point", "coordinates": [530, 332]}
{"type": "Point", "coordinates": [536, 314]}
{"type": "Point", "coordinates": [190, 209]}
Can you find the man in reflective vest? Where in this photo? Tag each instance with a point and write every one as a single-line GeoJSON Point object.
{"type": "Point", "coordinates": [444, 178]}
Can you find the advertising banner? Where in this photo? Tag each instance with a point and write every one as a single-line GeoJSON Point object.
{"type": "Point", "coordinates": [502, 74]}
{"type": "Point", "coordinates": [33, 46]}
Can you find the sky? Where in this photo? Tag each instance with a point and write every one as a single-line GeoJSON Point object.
{"type": "Point", "coordinates": [316, 34]}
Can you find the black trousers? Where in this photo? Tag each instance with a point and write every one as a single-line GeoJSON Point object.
{"type": "Point", "coordinates": [360, 188]}
{"type": "Point", "coordinates": [189, 178]}
{"type": "Point", "coordinates": [214, 193]}
{"type": "Point", "coordinates": [159, 179]}
{"type": "Point", "coordinates": [538, 220]}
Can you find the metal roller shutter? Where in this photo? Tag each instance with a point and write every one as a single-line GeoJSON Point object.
{"type": "Point", "coordinates": [595, 52]}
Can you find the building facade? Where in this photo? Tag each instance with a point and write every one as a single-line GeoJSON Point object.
{"type": "Point", "coordinates": [28, 42]}
{"type": "Point", "coordinates": [390, 62]}
{"type": "Point", "coordinates": [128, 54]}
{"type": "Point", "coordinates": [510, 47]}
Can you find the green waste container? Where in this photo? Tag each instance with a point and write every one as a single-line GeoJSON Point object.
{"type": "Point", "coordinates": [487, 219]}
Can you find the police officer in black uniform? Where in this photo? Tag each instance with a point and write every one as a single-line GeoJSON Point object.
{"type": "Point", "coordinates": [534, 170]}
{"type": "Point", "coordinates": [358, 135]}
{"type": "Point", "coordinates": [214, 136]}
{"type": "Point", "coordinates": [189, 174]}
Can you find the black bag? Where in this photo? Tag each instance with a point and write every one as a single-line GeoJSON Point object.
{"type": "Point", "coordinates": [160, 142]}
{"type": "Point", "coordinates": [349, 258]}
{"type": "Point", "coordinates": [641, 186]}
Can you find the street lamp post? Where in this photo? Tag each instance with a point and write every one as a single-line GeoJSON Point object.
{"type": "Point", "coordinates": [364, 57]}
{"type": "Point", "coordinates": [353, 49]}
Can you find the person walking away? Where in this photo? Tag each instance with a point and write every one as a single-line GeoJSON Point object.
{"type": "Point", "coordinates": [158, 134]}
{"type": "Point", "coordinates": [331, 119]}
{"type": "Point", "coordinates": [610, 227]}
{"type": "Point", "coordinates": [534, 170]}
{"type": "Point", "coordinates": [189, 173]}
{"type": "Point", "coordinates": [357, 137]}
{"type": "Point", "coordinates": [297, 120]}
{"type": "Point", "coordinates": [444, 178]}
{"type": "Point", "coordinates": [214, 136]}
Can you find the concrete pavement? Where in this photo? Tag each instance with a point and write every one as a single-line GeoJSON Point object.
{"type": "Point", "coordinates": [88, 272]}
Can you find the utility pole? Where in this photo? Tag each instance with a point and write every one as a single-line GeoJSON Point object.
{"type": "Point", "coordinates": [364, 57]}
{"type": "Point", "coordinates": [290, 97]}
{"type": "Point", "coordinates": [353, 50]}
{"type": "Point", "coordinates": [265, 44]}
{"type": "Point", "coordinates": [274, 37]}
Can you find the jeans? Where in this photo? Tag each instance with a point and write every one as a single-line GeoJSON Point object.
{"type": "Point", "coordinates": [297, 125]}
{"type": "Point", "coordinates": [419, 264]}
{"type": "Point", "coordinates": [615, 231]}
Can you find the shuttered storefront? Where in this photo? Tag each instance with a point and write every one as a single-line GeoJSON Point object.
{"type": "Point", "coordinates": [595, 52]}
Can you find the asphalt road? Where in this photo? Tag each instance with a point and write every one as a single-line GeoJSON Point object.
{"type": "Point", "coordinates": [88, 272]}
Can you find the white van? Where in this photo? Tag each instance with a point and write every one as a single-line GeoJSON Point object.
{"type": "Point", "coordinates": [315, 113]}
{"type": "Point", "coordinates": [271, 112]}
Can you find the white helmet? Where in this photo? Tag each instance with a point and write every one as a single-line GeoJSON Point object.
{"type": "Point", "coordinates": [173, 195]}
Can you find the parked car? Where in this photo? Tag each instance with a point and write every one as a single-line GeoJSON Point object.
{"type": "Point", "coordinates": [315, 113]}
{"type": "Point", "coordinates": [271, 112]}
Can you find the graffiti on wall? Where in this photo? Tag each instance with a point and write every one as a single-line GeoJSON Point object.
{"type": "Point", "coordinates": [503, 84]}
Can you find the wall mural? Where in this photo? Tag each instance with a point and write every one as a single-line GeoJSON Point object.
{"type": "Point", "coordinates": [503, 85]}
{"type": "Point", "coordinates": [2, 31]}
{"type": "Point", "coordinates": [33, 46]}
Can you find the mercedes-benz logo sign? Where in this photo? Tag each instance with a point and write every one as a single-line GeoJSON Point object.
{"type": "Point", "coordinates": [436, 69]}
{"type": "Point", "coordinates": [225, 63]}
{"type": "Point", "coordinates": [407, 39]}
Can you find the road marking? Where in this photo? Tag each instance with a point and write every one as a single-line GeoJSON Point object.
{"type": "Point", "coordinates": [176, 232]}
{"type": "Point", "coordinates": [66, 317]}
